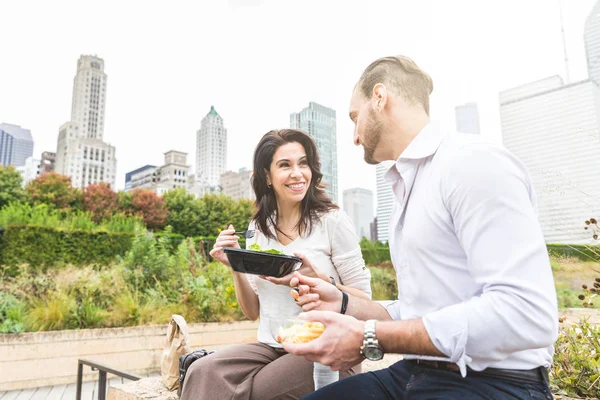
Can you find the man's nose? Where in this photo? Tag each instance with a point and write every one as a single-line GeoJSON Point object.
{"type": "Point", "coordinates": [356, 138]}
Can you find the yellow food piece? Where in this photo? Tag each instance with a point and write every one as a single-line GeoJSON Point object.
{"type": "Point", "coordinates": [300, 333]}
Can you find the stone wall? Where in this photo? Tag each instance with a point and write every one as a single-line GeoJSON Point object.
{"type": "Point", "coordinates": [29, 360]}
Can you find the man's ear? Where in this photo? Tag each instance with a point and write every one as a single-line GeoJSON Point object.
{"type": "Point", "coordinates": [380, 96]}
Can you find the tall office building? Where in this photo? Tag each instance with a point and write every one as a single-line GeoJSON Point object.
{"type": "Point", "coordinates": [467, 118]}
{"type": "Point", "coordinates": [16, 145]}
{"type": "Point", "coordinates": [554, 129]}
{"type": "Point", "coordinates": [173, 174]}
{"type": "Point", "coordinates": [238, 185]}
{"type": "Point", "coordinates": [81, 152]}
{"type": "Point", "coordinates": [129, 176]}
{"type": "Point", "coordinates": [211, 150]}
{"type": "Point", "coordinates": [385, 201]}
{"type": "Point", "coordinates": [591, 36]}
{"type": "Point", "coordinates": [358, 204]}
{"type": "Point", "coordinates": [320, 123]}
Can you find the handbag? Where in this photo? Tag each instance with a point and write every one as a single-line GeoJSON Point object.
{"type": "Point", "coordinates": [184, 363]}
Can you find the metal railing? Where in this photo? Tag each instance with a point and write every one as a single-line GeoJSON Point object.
{"type": "Point", "coordinates": [103, 370]}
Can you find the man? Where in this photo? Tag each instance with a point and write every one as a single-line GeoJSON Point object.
{"type": "Point", "coordinates": [476, 314]}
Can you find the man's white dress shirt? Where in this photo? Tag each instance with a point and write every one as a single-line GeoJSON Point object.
{"type": "Point", "coordinates": [469, 253]}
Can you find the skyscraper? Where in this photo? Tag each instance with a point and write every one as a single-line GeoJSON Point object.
{"type": "Point", "coordinates": [16, 145]}
{"type": "Point", "coordinates": [211, 150]}
{"type": "Point", "coordinates": [358, 204]}
{"type": "Point", "coordinates": [238, 185]}
{"type": "Point", "coordinates": [467, 118]}
{"type": "Point", "coordinates": [385, 201]}
{"type": "Point", "coordinates": [81, 152]}
{"type": "Point", "coordinates": [553, 128]}
{"type": "Point", "coordinates": [591, 36]}
{"type": "Point", "coordinates": [320, 123]}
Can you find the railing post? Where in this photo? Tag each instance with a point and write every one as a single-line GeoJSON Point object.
{"type": "Point", "coordinates": [102, 385]}
{"type": "Point", "coordinates": [79, 379]}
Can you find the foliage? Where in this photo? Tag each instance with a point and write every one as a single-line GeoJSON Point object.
{"type": "Point", "coordinates": [11, 313]}
{"type": "Point", "coordinates": [221, 211]}
{"type": "Point", "coordinates": [374, 252]}
{"type": "Point", "coordinates": [148, 285]}
{"type": "Point", "coordinates": [101, 201]}
{"type": "Point", "coordinates": [383, 283]}
{"type": "Point", "coordinates": [576, 366]}
{"type": "Point", "coordinates": [580, 251]}
{"type": "Point", "coordinates": [150, 207]}
{"type": "Point", "coordinates": [47, 216]}
{"type": "Point", "coordinates": [54, 190]}
{"type": "Point", "coordinates": [10, 186]}
{"type": "Point", "coordinates": [186, 212]}
{"type": "Point", "coordinates": [42, 246]}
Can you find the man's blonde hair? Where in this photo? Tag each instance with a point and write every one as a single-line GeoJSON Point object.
{"type": "Point", "coordinates": [401, 75]}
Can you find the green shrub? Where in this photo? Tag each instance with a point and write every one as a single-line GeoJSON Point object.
{"type": "Point", "coordinates": [41, 246]}
{"type": "Point", "coordinates": [383, 283]}
{"type": "Point", "coordinates": [374, 252]}
{"type": "Point", "coordinates": [576, 367]}
{"type": "Point", "coordinates": [12, 312]}
{"type": "Point", "coordinates": [55, 312]}
{"type": "Point", "coordinates": [580, 251]}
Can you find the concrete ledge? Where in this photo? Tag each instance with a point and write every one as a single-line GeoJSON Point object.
{"type": "Point", "coordinates": [153, 388]}
{"type": "Point", "coordinates": [29, 360]}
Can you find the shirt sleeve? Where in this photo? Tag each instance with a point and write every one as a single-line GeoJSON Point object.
{"type": "Point", "coordinates": [489, 196]}
{"type": "Point", "coordinates": [346, 255]}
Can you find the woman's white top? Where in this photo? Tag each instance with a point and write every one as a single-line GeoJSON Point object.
{"type": "Point", "coordinates": [332, 247]}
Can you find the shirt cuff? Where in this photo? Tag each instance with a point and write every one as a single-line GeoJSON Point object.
{"type": "Point", "coordinates": [448, 329]}
{"type": "Point", "coordinates": [392, 308]}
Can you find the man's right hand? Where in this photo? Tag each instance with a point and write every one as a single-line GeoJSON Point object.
{"type": "Point", "coordinates": [226, 238]}
{"type": "Point", "coordinates": [316, 294]}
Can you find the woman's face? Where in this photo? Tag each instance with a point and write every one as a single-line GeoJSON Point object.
{"type": "Point", "coordinates": [289, 173]}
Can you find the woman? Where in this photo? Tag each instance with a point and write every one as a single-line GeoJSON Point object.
{"type": "Point", "coordinates": [293, 215]}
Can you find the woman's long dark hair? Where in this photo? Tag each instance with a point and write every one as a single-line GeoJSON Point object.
{"type": "Point", "coordinates": [314, 204]}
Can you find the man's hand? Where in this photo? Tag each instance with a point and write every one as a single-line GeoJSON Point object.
{"type": "Point", "coordinates": [338, 346]}
{"type": "Point", "coordinates": [306, 269]}
{"type": "Point", "coordinates": [316, 294]}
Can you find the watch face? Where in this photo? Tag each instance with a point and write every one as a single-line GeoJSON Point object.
{"type": "Point", "coordinates": [373, 353]}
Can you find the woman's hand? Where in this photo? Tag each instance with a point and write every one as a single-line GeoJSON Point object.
{"type": "Point", "coordinates": [306, 269]}
{"type": "Point", "coordinates": [226, 238]}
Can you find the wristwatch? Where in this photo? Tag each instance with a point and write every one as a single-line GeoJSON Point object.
{"type": "Point", "coordinates": [370, 348]}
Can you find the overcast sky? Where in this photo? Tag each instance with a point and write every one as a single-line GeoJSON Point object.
{"type": "Point", "coordinates": [258, 60]}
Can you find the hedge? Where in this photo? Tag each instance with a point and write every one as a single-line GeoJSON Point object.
{"type": "Point", "coordinates": [580, 251]}
{"type": "Point", "coordinates": [41, 246]}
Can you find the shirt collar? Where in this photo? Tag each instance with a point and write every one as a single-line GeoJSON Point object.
{"type": "Point", "coordinates": [424, 145]}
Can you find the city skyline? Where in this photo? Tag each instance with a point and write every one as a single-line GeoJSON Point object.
{"type": "Point", "coordinates": [162, 82]}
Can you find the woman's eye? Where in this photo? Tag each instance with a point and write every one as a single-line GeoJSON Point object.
{"type": "Point", "coordinates": [284, 165]}
{"type": "Point", "coordinates": [304, 162]}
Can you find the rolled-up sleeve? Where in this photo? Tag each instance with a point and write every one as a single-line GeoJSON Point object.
{"type": "Point", "coordinates": [489, 196]}
{"type": "Point", "coordinates": [346, 255]}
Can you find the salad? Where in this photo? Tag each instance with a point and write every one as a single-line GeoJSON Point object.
{"type": "Point", "coordinates": [256, 247]}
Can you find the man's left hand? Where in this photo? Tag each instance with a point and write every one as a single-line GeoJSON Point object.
{"type": "Point", "coordinates": [338, 346]}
